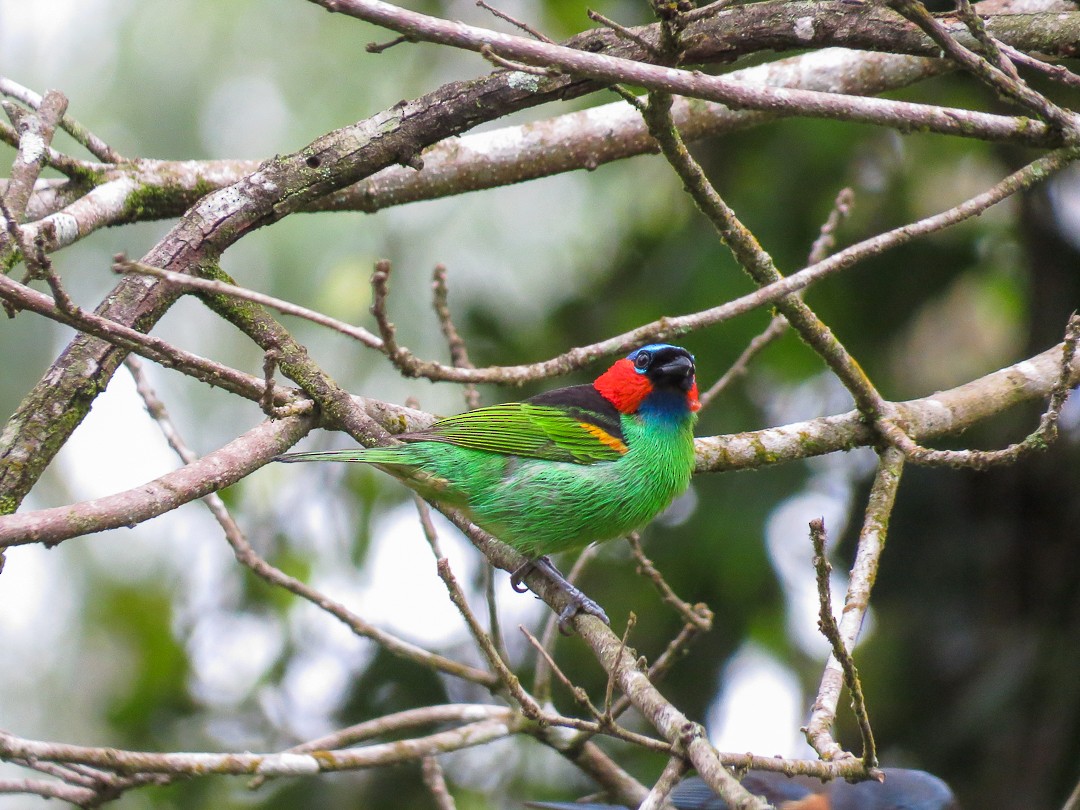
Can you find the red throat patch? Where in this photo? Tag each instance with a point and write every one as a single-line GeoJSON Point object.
{"type": "Point", "coordinates": [692, 398]}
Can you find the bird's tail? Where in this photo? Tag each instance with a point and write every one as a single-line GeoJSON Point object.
{"type": "Point", "coordinates": [365, 455]}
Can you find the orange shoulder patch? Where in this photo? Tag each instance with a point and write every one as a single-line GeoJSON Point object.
{"type": "Point", "coordinates": [605, 438]}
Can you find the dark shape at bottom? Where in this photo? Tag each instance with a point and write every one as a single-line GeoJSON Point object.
{"type": "Point", "coordinates": [902, 789]}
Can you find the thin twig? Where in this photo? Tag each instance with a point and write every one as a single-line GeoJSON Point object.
{"type": "Point", "coordinates": [578, 693]}
{"type": "Point", "coordinates": [542, 673]}
{"type": "Point", "coordinates": [153, 348]}
{"type": "Point", "coordinates": [494, 653]}
{"type": "Point", "coordinates": [622, 31]}
{"type": "Point", "coordinates": [1057, 73]}
{"type": "Point", "coordinates": [528, 29]}
{"type": "Point", "coordinates": [710, 9]}
{"type": "Point", "coordinates": [517, 67]}
{"type": "Point", "coordinates": [603, 723]}
{"type": "Point", "coordinates": [829, 628]}
{"type": "Point", "coordinates": [397, 722]}
{"type": "Point", "coordinates": [246, 555]}
{"type": "Point", "coordinates": [78, 796]}
{"type": "Point", "coordinates": [661, 789]}
{"type": "Point", "coordinates": [778, 325]}
{"type": "Point", "coordinates": [121, 264]}
{"type": "Point", "coordinates": [71, 774]}
{"type": "Point", "coordinates": [1037, 441]}
{"type": "Point", "coordinates": [826, 240]}
{"type": "Point", "coordinates": [92, 143]}
{"type": "Point", "coordinates": [432, 773]}
{"type": "Point", "coordinates": [993, 76]}
{"type": "Point", "coordinates": [459, 352]}
{"type": "Point", "coordinates": [863, 574]}
{"type": "Point", "coordinates": [380, 288]}
{"type": "Point", "coordinates": [267, 764]}
{"type": "Point", "coordinates": [609, 690]}
{"type": "Point", "coordinates": [528, 704]}
{"type": "Point", "coordinates": [379, 47]}
{"type": "Point", "coordinates": [676, 648]}
{"type": "Point", "coordinates": [691, 614]}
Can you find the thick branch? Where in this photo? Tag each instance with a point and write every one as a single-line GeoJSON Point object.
{"type": "Point", "coordinates": [614, 70]}
{"type": "Point", "coordinates": [938, 415]}
{"type": "Point", "coordinates": [931, 417]}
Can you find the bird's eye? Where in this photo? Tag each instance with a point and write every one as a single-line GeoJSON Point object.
{"type": "Point", "coordinates": [641, 362]}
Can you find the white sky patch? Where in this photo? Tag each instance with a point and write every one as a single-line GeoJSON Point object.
{"type": "Point", "coordinates": [229, 653]}
{"type": "Point", "coordinates": [311, 691]}
{"type": "Point", "coordinates": [117, 446]}
{"type": "Point", "coordinates": [244, 117]}
{"type": "Point", "coordinates": [788, 541]}
{"type": "Point", "coordinates": [402, 592]}
{"type": "Point", "coordinates": [48, 36]}
{"type": "Point", "coordinates": [1064, 192]}
{"type": "Point", "coordinates": [760, 708]}
{"type": "Point", "coordinates": [37, 603]}
{"type": "Point", "coordinates": [1070, 415]}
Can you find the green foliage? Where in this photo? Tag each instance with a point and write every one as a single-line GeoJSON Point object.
{"type": "Point", "coordinates": [150, 694]}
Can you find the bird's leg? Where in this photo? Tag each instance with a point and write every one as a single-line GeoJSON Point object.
{"type": "Point", "coordinates": [578, 601]}
{"type": "Point", "coordinates": [518, 575]}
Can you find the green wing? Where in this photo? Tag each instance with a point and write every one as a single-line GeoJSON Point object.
{"type": "Point", "coordinates": [524, 429]}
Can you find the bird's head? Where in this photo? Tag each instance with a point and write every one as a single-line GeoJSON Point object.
{"type": "Point", "coordinates": [658, 378]}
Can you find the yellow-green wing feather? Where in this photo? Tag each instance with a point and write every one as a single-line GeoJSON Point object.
{"type": "Point", "coordinates": [524, 429]}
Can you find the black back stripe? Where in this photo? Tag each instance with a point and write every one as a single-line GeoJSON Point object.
{"type": "Point", "coordinates": [585, 404]}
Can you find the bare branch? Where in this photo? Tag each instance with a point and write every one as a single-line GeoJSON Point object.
{"type": "Point", "coordinates": [78, 796]}
{"type": "Point", "coordinates": [997, 77]}
{"type": "Point", "coordinates": [35, 135]}
{"type": "Point", "coordinates": [246, 385]}
{"type": "Point", "coordinates": [669, 777]}
{"type": "Point", "coordinates": [502, 15]}
{"type": "Point", "coordinates": [121, 264]}
{"type": "Point", "coordinates": [614, 70]}
{"type": "Point", "coordinates": [93, 144]}
{"type": "Point", "coordinates": [778, 325]}
{"type": "Point", "coordinates": [829, 628]}
{"type": "Point", "coordinates": [212, 472]}
{"type": "Point", "coordinates": [436, 783]}
{"type": "Point", "coordinates": [284, 764]}
{"type": "Point", "coordinates": [1044, 435]}
{"type": "Point", "coordinates": [698, 615]}
{"type": "Point", "coordinates": [459, 353]}
{"type": "Point", "coordinates": [397, 722]}
{"type": "Point", "coordinates": [863, 574]}
{"type": "Point", "coordinates": [542, 672]}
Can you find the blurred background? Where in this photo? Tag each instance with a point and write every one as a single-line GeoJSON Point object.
{"type": "Point", "coordinates": [154, 638]}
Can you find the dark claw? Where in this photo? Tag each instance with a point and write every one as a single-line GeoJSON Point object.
{"type": "Point", "coordinates": [517, 577]}
{"type": "Point", "coordinates": [577, 602]}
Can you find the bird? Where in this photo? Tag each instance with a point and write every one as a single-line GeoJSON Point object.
{"type": "Point", "coordinates": [561, 469]}
{"type": "Point", "coordinates": [902, 789]}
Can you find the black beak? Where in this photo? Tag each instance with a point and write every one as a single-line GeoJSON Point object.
{"type": "Point", "coordinates": [680, 370]}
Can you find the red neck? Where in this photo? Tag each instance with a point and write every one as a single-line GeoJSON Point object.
{"type": "Point", "coordinates": [626, 389]}
{"type": "Point", "coordinates": [623, 387]}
